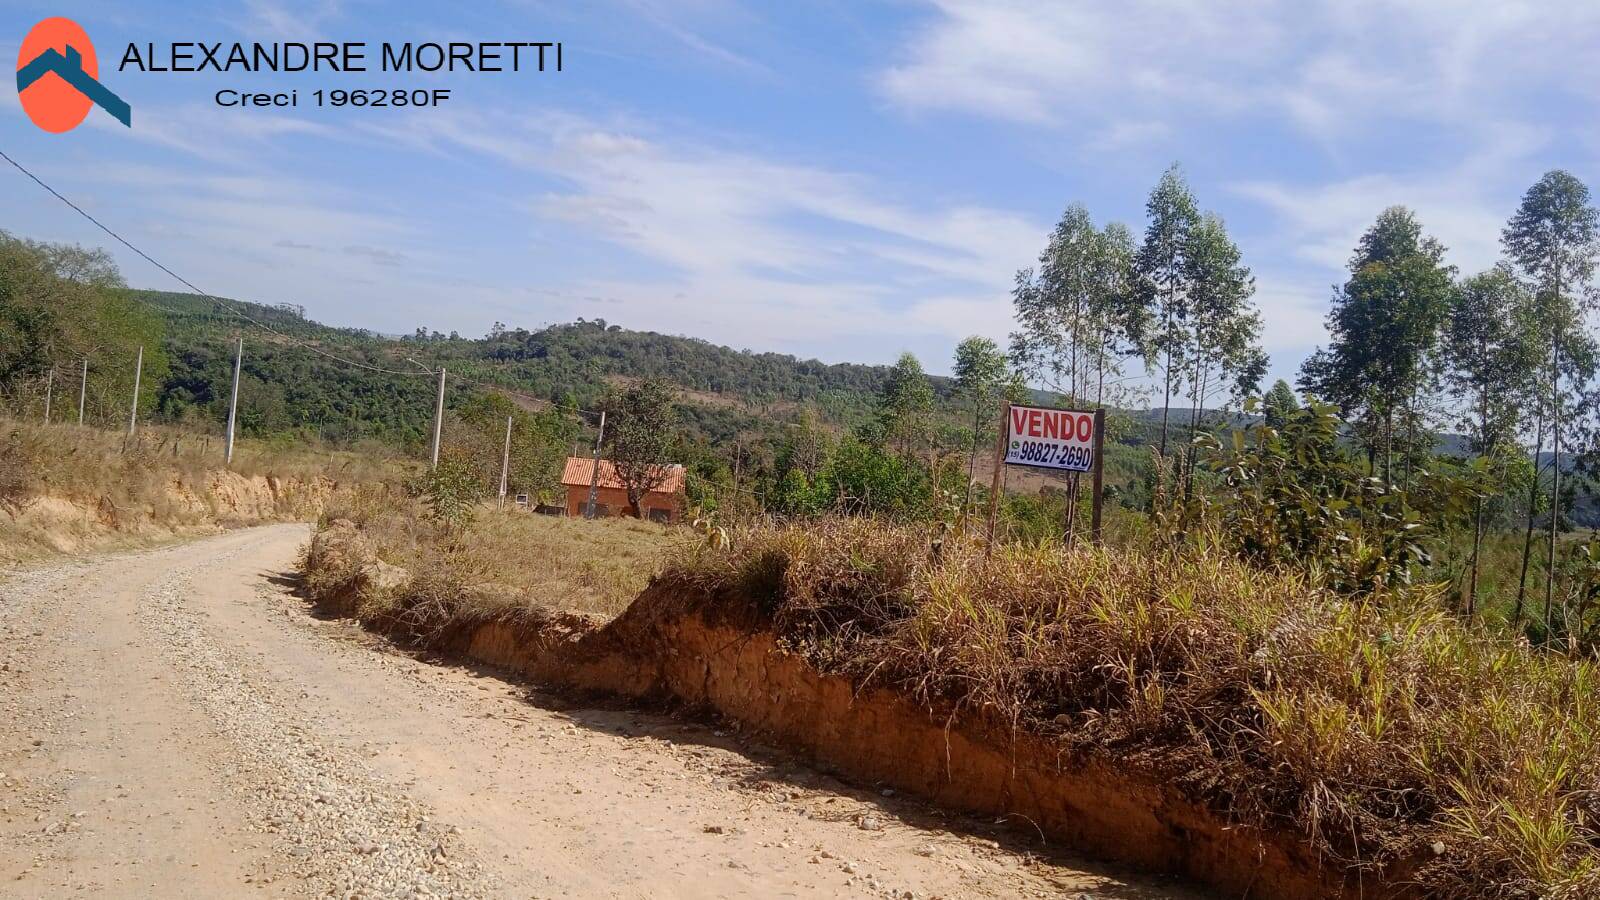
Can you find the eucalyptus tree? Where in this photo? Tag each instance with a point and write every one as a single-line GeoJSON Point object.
{"type": "Point", "coordinates": [1160, 311]}
{"type": "Point", "coordinates": [1225, 330]}
{"type": "Point", "coordinates": [981, 377]}
{"type": "Point", "coordinates": [1071, 334]}
{"type": "Point", "coordinates": [1385, 325]}
{"type": "Point", "coordinates": [1551, 241]}
{"type": "Point", "coordinates": [1114, 312]}
{"type": "Point", "coordinates": [1491, 350]}
{"type": "Point", "coordinates": [905, 405]}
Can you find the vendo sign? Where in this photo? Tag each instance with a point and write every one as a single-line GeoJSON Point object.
{"type": "Point", "coordinates": [1051, 438]}
{"type": "Point", "coordinates": [1067, 440]}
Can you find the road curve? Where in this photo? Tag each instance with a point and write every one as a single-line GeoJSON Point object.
{"type": "Point", "coordinates": [176, 723]}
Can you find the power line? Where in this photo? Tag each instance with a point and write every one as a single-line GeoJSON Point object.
{"type": "Point", "coordinates": [222, 306]}
{"type": "Point", "coordinates": [186, 283]}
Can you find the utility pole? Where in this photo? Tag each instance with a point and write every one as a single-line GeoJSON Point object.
{"type": "Point", "coordinates": [233, 402]}
{"type": "Point", "coordinates": [438, 420]}
{"type": "Point", "coordinates": [83, 390]}
{"type": "Point", "coordinates": [49, 388]}
{"type": "Point", "coordinates": [505, 463]}
{"type": "Point", "coordinates": [594, 476]}
{"type": "Point", "coordinates": [138, 372]}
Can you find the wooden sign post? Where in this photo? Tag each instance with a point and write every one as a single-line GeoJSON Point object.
{"type": "Point", "coordinates": [999, 463]}
{"type": "Point", "coordinates": [1065, 440]}
{"type": "Point", "coordinates": [1099, 473]}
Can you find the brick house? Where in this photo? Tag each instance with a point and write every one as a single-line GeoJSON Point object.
{"type": "Point", "coordinates": [664, 504]}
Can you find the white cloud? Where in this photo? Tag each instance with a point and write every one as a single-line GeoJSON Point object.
{"type": "Point", "coordinates": [1127, 134]}
{"type": "Point", "coordinates": [1463, 205]}
{"type": "Point", "coordinates": [667, 16]}
{"type": "Point", "coordinates": [1328, 64]}
{"type": "Point", "coordinates": [292, 20]}
{"type": "Point", "coordinates": [1293, 309]}
{"type": "Point", "coordinates": [758, 251]}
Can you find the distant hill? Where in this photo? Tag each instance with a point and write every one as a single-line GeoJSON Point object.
{"type": "Point", "coordinates": [726, 391]}
{"type": "Point", "coordinates": [729, 396]}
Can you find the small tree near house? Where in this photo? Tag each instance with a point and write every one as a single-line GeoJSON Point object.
{"type": "Point", "coordinates": [640, 422]}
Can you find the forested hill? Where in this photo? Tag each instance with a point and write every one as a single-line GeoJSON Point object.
{"type": "Point", "coordinates": [694, 364]}
{"type": "Point", "coordinates": [292, 388]}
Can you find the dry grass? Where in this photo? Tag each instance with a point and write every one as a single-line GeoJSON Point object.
{"type": "Point", "coordinates": [62, 486]}
{"type": "Point", "coordinates": [499, 566]}
{"type": "Point", "coordinates": [1383, 730]}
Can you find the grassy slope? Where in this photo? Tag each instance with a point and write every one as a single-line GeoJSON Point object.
{"type": "Point", "coordinates": [499, 564]}
{"type": "Point", "coordinates": [1381, 730]}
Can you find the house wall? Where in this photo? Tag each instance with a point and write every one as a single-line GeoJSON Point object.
{"type": "Point", "coordinates": [617, 500]}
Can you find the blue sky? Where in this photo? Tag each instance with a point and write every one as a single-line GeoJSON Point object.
{"type": "Point", "coordinates": [836, 179]}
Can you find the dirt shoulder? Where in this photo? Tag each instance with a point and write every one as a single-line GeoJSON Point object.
{"type": "Point", "coordinates": [176, 722]}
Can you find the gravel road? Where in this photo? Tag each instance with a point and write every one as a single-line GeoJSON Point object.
{"type": "Point", "coordinates": [176, 723]}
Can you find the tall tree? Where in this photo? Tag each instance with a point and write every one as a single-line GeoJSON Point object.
{"type": "Point", "coordinates": [1113, 312]}
{"type": "Point", "coordinates": [1225, 330]}
{"type": "Point", "coordinates": [1491, 350]}
{"type": "Point", "coordinates": [1070, 310]}
{"type": "Point", "coordinates": [981, 374]}
{"type": "Point", "coordinates": [475, 433]}
{"type": "Point", "coordinates": [1551, 241]}
{"type": "Point", "coordinates": [640, 425]}
{"type": "Point", "coordinates": [905, 406]}
{"type": "Point", "coordinates": [1385, 325]}
{"type": "Point", "coordinates": [1162, 283]}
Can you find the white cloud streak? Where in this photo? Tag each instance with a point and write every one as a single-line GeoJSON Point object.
{"type": "Point", "coordinates": [1323, 64]}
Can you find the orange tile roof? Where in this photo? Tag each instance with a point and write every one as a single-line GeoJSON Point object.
{"type": "Point", "coordinates": [579, 470]}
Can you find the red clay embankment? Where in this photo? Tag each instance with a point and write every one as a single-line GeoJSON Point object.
{"type": "Point", "coordinates": [675, 643]}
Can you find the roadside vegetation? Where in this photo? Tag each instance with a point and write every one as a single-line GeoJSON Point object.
{"type": "Point", "coordinates": [400, 561]}
{"type": "Point", "coordinates": [1381, 728]}
{"type": "Point", "coordinates": [63, 487]}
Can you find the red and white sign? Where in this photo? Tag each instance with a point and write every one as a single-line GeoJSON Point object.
{"type": "Point", "coordinates": [1050, 438]}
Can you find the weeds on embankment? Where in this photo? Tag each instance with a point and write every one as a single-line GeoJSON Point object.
{"type": "Point", "coordinates": [1381, 728]}
{"type": "Point", "coordinates": [65, 486]}
{"type": "Point", "coordinates": [436, 576]}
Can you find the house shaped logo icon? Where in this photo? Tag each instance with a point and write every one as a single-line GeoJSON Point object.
{"type": "Point", "coordinates": [58, 78]}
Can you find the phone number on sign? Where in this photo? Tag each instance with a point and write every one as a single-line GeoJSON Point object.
{"type": "Point", "coordinates": [1059, 456]}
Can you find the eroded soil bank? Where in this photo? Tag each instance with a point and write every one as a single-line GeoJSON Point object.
{"type": "Point", "coordinates": [76, 521]}
{"type": "Point", "coordinates": [175, 723]}
{"type": "Point", "coordinates": [675, 643]}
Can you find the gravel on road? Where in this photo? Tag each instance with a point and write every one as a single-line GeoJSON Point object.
{"type": "Point", "coordinates": [177, 723]}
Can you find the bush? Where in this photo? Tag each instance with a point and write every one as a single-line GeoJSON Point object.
{"type": "Point", "coordinates": [449, 491]}
{"type": "Point", "coordinates": [1295, 493]}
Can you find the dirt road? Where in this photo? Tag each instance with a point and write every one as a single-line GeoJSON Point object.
{"type": "Point", "coordinates": [175, 723]}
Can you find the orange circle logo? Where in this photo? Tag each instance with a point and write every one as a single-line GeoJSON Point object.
{"type": "Point", "coordinates": [49, 99]}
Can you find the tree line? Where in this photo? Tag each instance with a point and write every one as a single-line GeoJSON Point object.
{"type": "Point", "coordinates": [1465, 403]}
{"type": "Point", "coordinates": [1445, 413]}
